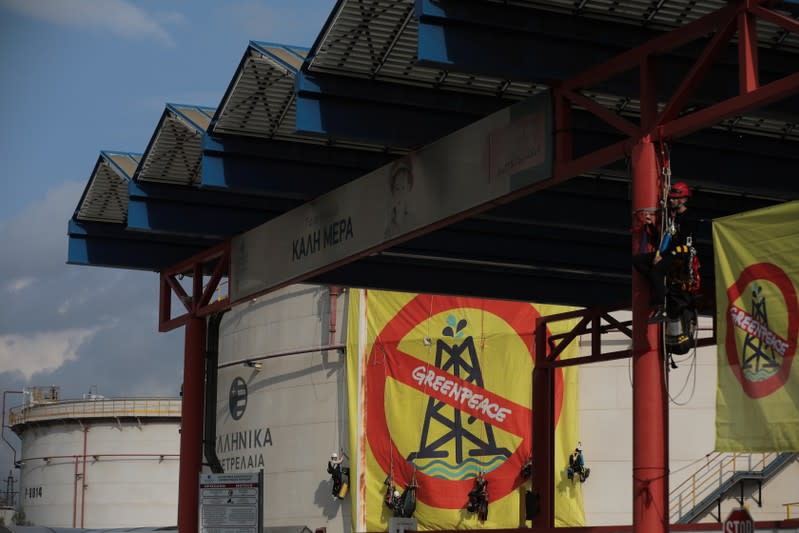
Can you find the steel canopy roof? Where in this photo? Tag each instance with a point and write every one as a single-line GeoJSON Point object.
{"type": "Point", "coordinates": [260, 98]}
{"type": "Point", "coordinates": [105, 198]}
{"type": "Point", "coordinates": [173, 155]}
{"type": "Point", "coordinates": [385, 77]}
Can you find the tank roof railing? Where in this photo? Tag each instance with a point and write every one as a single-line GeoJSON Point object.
{"type": "Point", "coordinates": [99, 408]}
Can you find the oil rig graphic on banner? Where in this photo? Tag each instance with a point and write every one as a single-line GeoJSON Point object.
{"type": "Point", "coordinates": [754, 351]}
{"type": "Point", "coordinates": [456, 363]}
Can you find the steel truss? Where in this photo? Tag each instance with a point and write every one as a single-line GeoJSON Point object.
{"type": "Point", "coordinates": [650, 411]}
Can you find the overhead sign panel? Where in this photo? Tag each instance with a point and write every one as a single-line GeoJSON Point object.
{"type": "Point", "coordinates": [458, 174]}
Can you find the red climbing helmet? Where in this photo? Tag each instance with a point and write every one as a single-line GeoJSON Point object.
{"type": "Point", "coordinates": [679, 190]}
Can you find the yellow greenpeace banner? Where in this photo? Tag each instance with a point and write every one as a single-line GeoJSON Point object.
{"type": "Point", "coordinates": [757, 275]}
{"type": "Point", "coordinates": [440, 390]}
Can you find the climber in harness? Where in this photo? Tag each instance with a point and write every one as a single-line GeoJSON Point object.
{"type": "Point", "coordinates": [403, 505]}
{"type": "Point", "coordinates": [673, 271]}
{"type": "Point", "coordinates": [478, 498]}
{"type": "Point", "coordinates": [393, 500]}
{"type": "Point", "coordinates": [577, 465]}
{"type": "Point", "coordinates": [339, 475]}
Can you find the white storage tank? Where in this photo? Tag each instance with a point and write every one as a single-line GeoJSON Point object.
{"type": "Point", "coordinates": [97, 462]}
{"type": "Point", "coordinates": [285, 414]}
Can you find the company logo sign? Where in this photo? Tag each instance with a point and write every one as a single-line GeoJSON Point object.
{"type": "Point", "coordinates": [455, 366]}
{"type": "Point", "coordinates": [762, 326]}
{"type": "Point", "coordinates": [237, 398]}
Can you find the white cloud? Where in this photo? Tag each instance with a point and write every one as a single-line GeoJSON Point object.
{"type": "Point", "coordinates": [18, 285]}
{"type": "Point", "coordinates": [120, 17]}
{"type": "Point", "coordinates": [41, 352]}
{"type": "Point", "coordinates": [37, 234]}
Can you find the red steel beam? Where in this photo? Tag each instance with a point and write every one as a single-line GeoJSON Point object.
{"type": "Point", "coordinates": [786, 23]}
{"type": "Point", "coordinates": [191, 427]}
{"type": "Point", "coordinates": [731, 107]}
{"type": "Point", "coordinates": [543, 430]}
{"type": "Point", "coordinates": [178, 289]}
{"type": "Point", "coordinates": [650, 409]}
{"type": "Point", "coordinates": [563, 128]}
{"type": "Point", "coordinates": [697, 73]}
{"type": "Point", "coordinates": [564, 170]}
{"type": "Point", "coordinates": [648, 89]}
{"type": "Point", "coordinates": [668, 41]}
{"type": "Point", "coordinates": [747, 52]}
{"type": "Point", "coordinates": [197, 304]}
{"type": "Point", "coordinates": [222, 267]}
{"type": "Point", "coordinates": [618, 122]}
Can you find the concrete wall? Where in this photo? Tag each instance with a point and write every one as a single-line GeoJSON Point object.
{"type": "Point", "coordinates": [299, 401]}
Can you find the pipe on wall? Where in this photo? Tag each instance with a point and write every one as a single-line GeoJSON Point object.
{"type": "Point", "coordinates": [83, 478]}
{"type": "Point", "coordinates": [75, 494]}
{"type": "Point", "coordinates": [334, 292]}
{"type": "Point", "coordinates": [211, 374]}
{"type": "Point", "coordinates": [3, 423]}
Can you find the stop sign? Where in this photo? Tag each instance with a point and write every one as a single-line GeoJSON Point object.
{"type": "Point", "coordinates": [738, 521]}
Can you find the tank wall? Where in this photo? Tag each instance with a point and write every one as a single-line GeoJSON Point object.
{"type": "Point", "coordinates": [295, 412]}
{"type": "Point", "coordinates": [606, 432]}
{"type": "Point", "coordinates": [118, 490]}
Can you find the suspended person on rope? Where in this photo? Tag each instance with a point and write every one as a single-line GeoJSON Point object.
{"type": "Point", "coordinates": [478, 498]}
{"type": "Point", "coordinates": [403, 505]}
{"type": "Point", "coordinates": [675, 249]}
{"type": "Point", "coordinates": [393, 498]}
{"type": "Point", "coordinates": [337, 473]}
{"type": "Point", "coordinates": [577, 465]}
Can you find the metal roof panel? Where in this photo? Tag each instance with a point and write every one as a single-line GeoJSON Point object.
{"type": "Point", "coordinates": [105, 198]}
{"type": "Point", "coordinates": [175, 150]}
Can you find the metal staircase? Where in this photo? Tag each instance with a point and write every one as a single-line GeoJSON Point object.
{"type": "Point", "coordinates": [720, 473]}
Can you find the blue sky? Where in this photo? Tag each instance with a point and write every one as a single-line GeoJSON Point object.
{"type": "Point", "coordinates": [77, 77]}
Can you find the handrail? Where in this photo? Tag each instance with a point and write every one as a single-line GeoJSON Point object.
{"type": "Point", "coordinates": [719, 474]}
{"type": "Point", "coordinates": [788, 509]}
{"type": "Point", "coordinates": [95, 408]}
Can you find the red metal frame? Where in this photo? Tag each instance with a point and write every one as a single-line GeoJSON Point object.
{"type": "Point", "coordinates": [650, 455]}
{"type": "Point", "coordinates": [548, 349]}
{"type": "Point", "coordinates": [191, 427]}
{"type": "Point", "coordinates": [737, 17]}
{"type": "Point", "coordinates": [198, 304]}
{"type": "Point", "coordinates": [590, 323]}
{"type": "Point", "coordinates": [650, 408]}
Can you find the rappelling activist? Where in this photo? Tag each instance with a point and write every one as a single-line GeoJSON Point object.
{"type": "Point", "coordinates": [339, 475]}
{"type": "Point", "coordinates": [670, 290]}
{"type": "Point", "coordinates": [577, 465]}
{"type": "Point", "coordinates": [403, 505]}
{"type": "Point", "coordinates": [478, 498]}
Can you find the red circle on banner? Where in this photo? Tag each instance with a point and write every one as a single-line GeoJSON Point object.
{"type": "Point", "coordinates": [775, 275]}
{"type": "Point", "coordinates": [437, 492]}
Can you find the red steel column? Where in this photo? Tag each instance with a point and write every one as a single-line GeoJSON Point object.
{"type": "Point", "coordinates": [747, 52]}
{"type": "Point", "coordinates": [191, 430]}
{"type": "Point", "coordinates": [543, 431]}
{"type": "Point", "coordinates": [650, 415]}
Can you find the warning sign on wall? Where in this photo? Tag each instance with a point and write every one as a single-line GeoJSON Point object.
{"type": "Point", "coordinates": [231, 503]}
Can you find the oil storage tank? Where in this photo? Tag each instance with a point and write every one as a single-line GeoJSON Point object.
{"type": "Point", "coordinates": [282, 401]}
{"type": "Point", "coordinates": [97, 462]}
{"type": "Point", "coordinates": [308, 371]}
